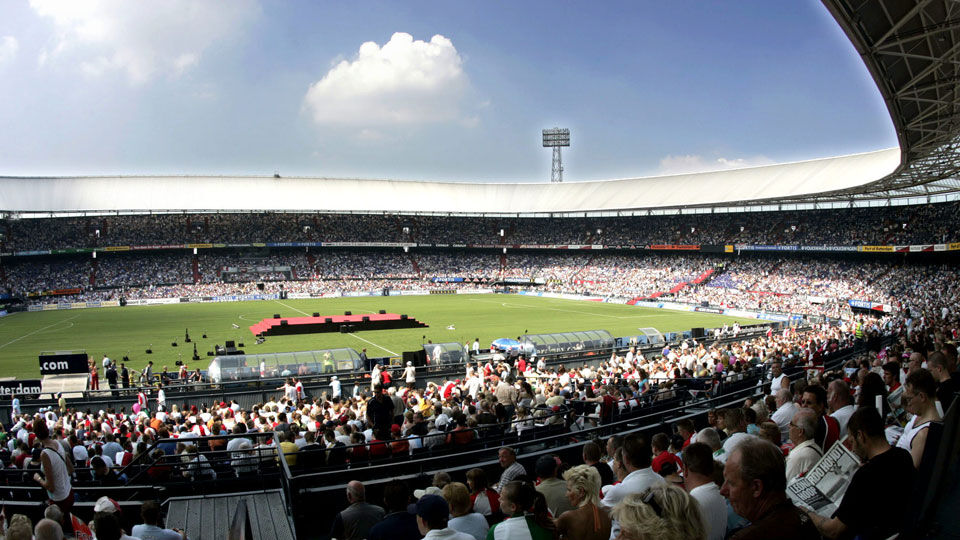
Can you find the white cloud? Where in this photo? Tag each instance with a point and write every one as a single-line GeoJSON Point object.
{"type": "Point", "coordinates": [693, 163]}
{"type": "Point", "coordinates": [8, 49]}
{"type": "Point", "coordinates": [142, 40]}
{"type": "Point", "coordinates": [402, 83]}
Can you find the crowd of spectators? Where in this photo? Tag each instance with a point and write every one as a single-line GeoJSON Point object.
{"type": "Point", "coordinates": [680, 484]}
{"type": "Point", "coordinates": [901, 225]}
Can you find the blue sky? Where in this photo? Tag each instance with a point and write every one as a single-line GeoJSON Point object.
{"type": "Point", "coordinates": [445, 91]}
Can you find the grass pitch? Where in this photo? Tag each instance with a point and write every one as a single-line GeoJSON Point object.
{"type": "Point", "coordinates": [129, 331]}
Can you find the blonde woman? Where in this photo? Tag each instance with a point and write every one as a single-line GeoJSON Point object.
{"type": "Point", "coordinates": [661, 512]}
{"type": "Point", "coordinates": [586, 521]}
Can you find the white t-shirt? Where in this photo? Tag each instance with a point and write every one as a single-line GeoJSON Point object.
{"type": "Point", "coordinates": [712, 508]}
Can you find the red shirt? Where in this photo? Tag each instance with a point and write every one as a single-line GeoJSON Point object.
{"type": "Point", "coordinates": [666, 457]}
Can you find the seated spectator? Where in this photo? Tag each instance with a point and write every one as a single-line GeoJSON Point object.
{"type": "Point", "coordinates": [550, 486]}
{"type": "Point", "coordinates": [591, 456]}
{"type": "Point", "coordinates": [47, 529]}
{"type": "Point", "coordinates": [919, 398]}
{"type": "Point", "coordinates": [463, 518]}
{"type": "Point", "coordinates": [865, 510]}
{"type": "Point", "coordinates": [151, 529]}
{"type": "Point", "coordinates": [355, 521]}
{"type": "Point", "coordinates": [586, 521]}
{"type": "Point", "coordinates": [698, 481]}
{"type": "Point", "coordinates": [805, 453]}
{"type": "Point", "coordinates": [661, 512]}
{"type": "Point", "coordinates": [485, 500]}
{"type": "Point", "coordinates": [399, 523]}
{"type": "Point", "coordinates": [432, 517]}
{"type": "Point", "coordinates": [755, 483]}
{"type": "Point", "coordinates": [527, 514]}
{"type": "Point", "coordinates": [661, 453]}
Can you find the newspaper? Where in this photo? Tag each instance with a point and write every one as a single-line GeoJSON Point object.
{"type": "Point", "coordinates": [822, 489]}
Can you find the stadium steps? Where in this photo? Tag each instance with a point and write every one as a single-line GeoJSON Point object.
{"type": "Point", "coordinates": [195, 263]}
{"type": "Point", "coordinates": [93, 273]}
{"type": "Point", "coordinates": [212, 516]}
{"type": "Point", "coordinates": [416, 265]}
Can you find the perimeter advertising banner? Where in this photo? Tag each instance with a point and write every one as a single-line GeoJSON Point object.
{"type": "Point", "coordinates": [29, 388]}
{"type": "Point", "coordinates": [58, 364]}
{"type": "Point", "coordinates": [876, 249]}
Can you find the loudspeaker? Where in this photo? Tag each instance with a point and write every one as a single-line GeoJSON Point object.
{"type": "Point", "coordinates": [343, 328]}
{"type": "Point", "coordinates": [260, 286]}
{"type": "Point", "coordinates": [328, 320]}
{"type": "Point", "coordinates": [696, 332]}
{"type": "Point", "coordinates": [419, 358]}
{"type": "Point", "coordinates": [366, 318]}
{"type": "Point", "coordinates": [283, 322]}
{"type": "Point", "coordinates": [276, 315]}
{"type": "Point", "coordinates": [316, 314]}
{"type": "Point", "coordinates": [403, 317]}
{"type": "Point", "coordinates": [351, 328]}
{"type": "Point", "coordinates": [239, 344]}
{"type": "Point", "coordinates": [347, 313]}
{"type": "Point", "coordinates": [174, 344]}
{"type": "Point", "coordinates": [209, 353]}
{"type": "Point", "coordinates": [149, 351]}
{"type": "Point", "coordinates": [230, 344]}
{"type": "Point", "coordinates": [383, 312]}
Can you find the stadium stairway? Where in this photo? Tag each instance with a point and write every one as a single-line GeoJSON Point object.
{"type": "Point", "coordinates": [261, 513]}
{"type": "Point", "coordinates": [196, 269]}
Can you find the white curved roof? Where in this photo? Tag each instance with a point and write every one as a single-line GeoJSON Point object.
{"type": "Point", "coordinates": [205, 193]}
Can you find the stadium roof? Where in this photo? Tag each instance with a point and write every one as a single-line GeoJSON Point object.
{"type": "Point", "coordinates": [911, 48]}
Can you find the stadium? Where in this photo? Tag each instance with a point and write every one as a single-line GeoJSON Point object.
{"type": "Point", "coordinates": [308, 362]}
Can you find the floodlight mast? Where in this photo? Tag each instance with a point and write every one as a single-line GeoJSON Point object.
{"type": "Point", "coordinates": [556, 138]}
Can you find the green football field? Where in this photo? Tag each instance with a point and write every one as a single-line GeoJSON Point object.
{"type": "Point", "coordinates": [129, 331]}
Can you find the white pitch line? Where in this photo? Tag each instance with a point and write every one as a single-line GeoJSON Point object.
{"type": "Point", "coordinates": [38, 330]}
{"type": "Point", "coordinates": [511, 305]}
{"type": "Point", "coordinates": [291, 307]}
{"type": "Point", "coordinates": [374, 344]}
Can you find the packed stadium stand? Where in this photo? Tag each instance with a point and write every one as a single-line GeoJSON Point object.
{"type": "Point", "coordinates": [855, 256]}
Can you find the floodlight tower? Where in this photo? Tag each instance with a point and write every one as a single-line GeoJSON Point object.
{"type": "Point", "coordinates": [556, 138]}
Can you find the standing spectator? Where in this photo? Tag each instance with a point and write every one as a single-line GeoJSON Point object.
{"type": "Point", "coordinates": [586, 521]}
{"type": "Point", "coordinates": [698, 481]}
{"type": "Point", "coordinates": [94, 376]}
{"type": "Point", "coordinates": [14, 408]}
{"type": "Point", "coordinates": [355, 522]}
{"type": "Point", "coordinates": [124, 376]}
{"type": "Point", "coordinates": [662, 512]}
{"type": "Point", "coordinates": [805, 453]}
{"type": "Point", "coordinates": [410, 375]}
{"type": "Point", "coordinates": [56, 468]}
{"type": "Point", "coordinates": [865, 510]}
{"type": "Point", "coordinates": [512, 469]}
{"type": "Point", "coordinates": [754, 480]}
{"type": "Point", "coordinates": [150, 529]}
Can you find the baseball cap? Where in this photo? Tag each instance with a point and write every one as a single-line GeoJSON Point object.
{"type": "Point", "coordinates": [430, 491]}
{"type": "Point", "coordinates": [433, 508]}
{"type": "Point", "coordinates": [106, 504]}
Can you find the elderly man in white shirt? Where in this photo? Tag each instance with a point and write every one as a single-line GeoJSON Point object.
{"type": "Point", "coordinates": [806, 453]}
{"type": "Point", "coordinates": [786, 408]}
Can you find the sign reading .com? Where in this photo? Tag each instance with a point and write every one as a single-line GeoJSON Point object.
{"type": "Point", "coordinates": [60, 363]}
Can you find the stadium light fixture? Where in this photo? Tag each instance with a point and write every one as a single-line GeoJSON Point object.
{"type": "Point", "coordinates": [556, 138]}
